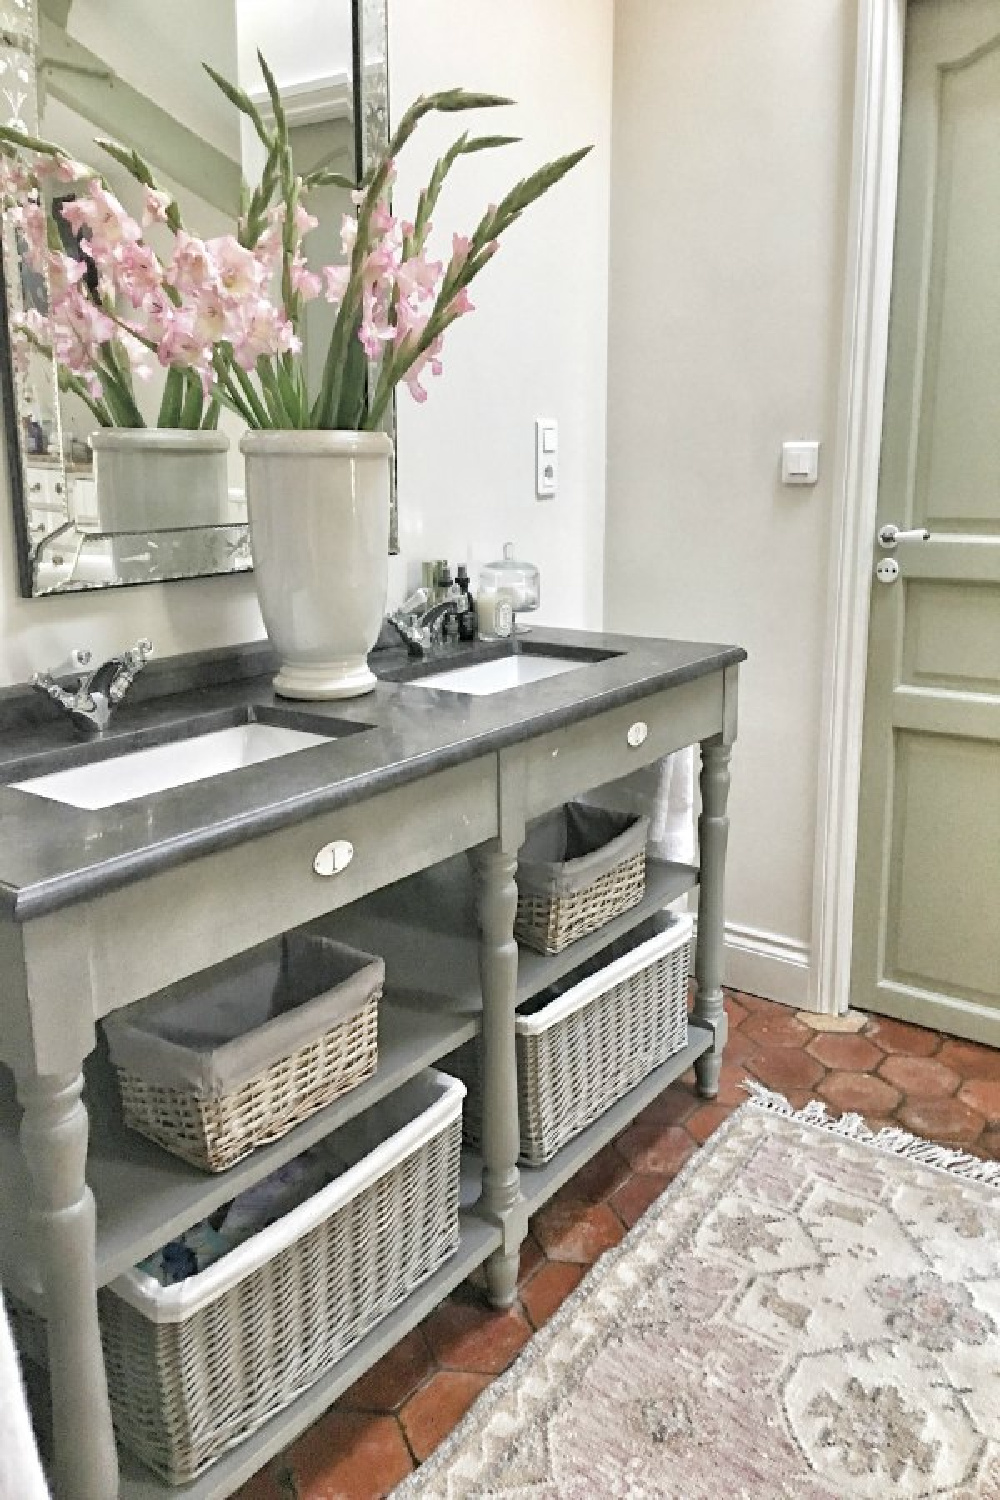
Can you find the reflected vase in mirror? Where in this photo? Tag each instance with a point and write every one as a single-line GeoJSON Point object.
{"type": "Point", "coordinates": [77, 74]}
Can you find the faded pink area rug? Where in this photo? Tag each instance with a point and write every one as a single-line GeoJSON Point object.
{"type": "Point", "coordinates": [809, 1311]}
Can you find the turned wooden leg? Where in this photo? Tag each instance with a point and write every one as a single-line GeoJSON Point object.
{"type": "Point", "coordinates": [713, 834]}
{"type": "Point", "coordinates": [54, 1132]}
{"type": "Point", "coordinates": [501, 1196]}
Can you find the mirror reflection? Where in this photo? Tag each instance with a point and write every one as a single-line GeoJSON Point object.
{"type": "Point", "coordinates": [88, 513]}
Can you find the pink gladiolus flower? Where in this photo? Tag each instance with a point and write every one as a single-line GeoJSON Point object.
{"type": "Point", "coordinates": [308, 284]}
{"type": "Point", "coordinates": [191, 267]}
{"type": "Point", "coordinates": [418, 277]}
{"type": "Point", "coordinates": [348, 233]}
{"type": "Point", "coordinates": [304, 220]}
{"type": "Point", "coordinates": [382, 221]}
{"type": "Point", "coordinates": [336, 279]}
{"type": "Point", "coordinates": [156, 206]}
{"type": "Point", "coordinates": [460, 247]}
{"type": "Point", "coordinates": [263, 331]}
{"type": "Point", "coordinates": [237, 269]}
{"type": "Point", "coordinates": [138, 273]}
{"type": "Point", "coordinates": [461, 303]}
{"type": "Point", "coordinates": [101, 213]}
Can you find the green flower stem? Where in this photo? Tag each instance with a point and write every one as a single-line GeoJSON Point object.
{"type": "Point", "coordinates": [257, 413]}
{"type": "Point", "coordinates": [451, 100]}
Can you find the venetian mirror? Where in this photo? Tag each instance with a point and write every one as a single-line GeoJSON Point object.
{"type": "Point", "coordinates": [130, 70]}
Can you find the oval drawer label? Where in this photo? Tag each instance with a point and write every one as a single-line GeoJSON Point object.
{"type": "Point", "coordinates": [333, 858]}
{"type": "Point", "coordinates": [637, 734]}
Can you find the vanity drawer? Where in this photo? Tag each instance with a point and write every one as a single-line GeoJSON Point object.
{"type": "Point", "coordinates": [543, 772]}
{"type": "Point", "coordinates": [235, 898]}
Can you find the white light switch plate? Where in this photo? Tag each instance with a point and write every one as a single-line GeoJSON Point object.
{"type": "Point", "coordinates": [799, 463]}
{"type": "Point", "coordinates": [546, 457]}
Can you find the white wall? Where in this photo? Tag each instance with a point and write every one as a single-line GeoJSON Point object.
{"type": "Point", "coordinates": [730, 175]}
{"type": "Point", "coordinates": [536, 345]}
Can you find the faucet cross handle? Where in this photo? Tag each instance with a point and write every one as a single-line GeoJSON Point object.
{"type": "Point", "coordinates": [131, 664]}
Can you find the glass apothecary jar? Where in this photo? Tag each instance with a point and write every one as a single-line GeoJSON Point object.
{"type": "Point", "coordinates": [519, 580]}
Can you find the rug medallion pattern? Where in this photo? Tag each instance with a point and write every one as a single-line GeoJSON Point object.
{"type": "Point", "coordinates": [800, 1315]}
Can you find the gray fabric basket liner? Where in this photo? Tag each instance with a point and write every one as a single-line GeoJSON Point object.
{"type": "Point", "coordinates": [573, 846]}
{"type": "Point", "coordinates": [212, 1033]}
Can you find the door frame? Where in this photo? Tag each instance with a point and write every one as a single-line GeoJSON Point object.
{"type": "Point", "coordinates": [857, 450]}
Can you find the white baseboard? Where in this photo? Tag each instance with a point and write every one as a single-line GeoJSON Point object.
{"type": "Point", "coordinates": [767, 964]}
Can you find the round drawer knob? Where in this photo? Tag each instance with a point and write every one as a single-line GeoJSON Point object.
{"type": "Point", "coordinates": [637, 734]}
{"type": "Point", "coordinates": [333, 858]}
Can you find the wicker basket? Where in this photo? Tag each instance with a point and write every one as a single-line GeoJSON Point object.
{"type": "Point", "coordinates": [235, 1057]}
{"type": "Point", "coordinates": [578, 868]}
{"type": "Point", "coordinates": [581, 1049]}
{"type": "Point", "coordinates": [195, 1368]}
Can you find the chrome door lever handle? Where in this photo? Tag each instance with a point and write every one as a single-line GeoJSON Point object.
{"type": "Point", "coordinates": [890, 536]}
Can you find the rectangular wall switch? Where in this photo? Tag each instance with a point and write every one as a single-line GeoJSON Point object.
{"type": "Point", "coordinates": [799, 463]}
{"type": "Point", "coordinates": [546, 457]}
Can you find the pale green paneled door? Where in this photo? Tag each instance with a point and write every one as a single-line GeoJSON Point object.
{"type": "Point", "coordinates": [927, 909]}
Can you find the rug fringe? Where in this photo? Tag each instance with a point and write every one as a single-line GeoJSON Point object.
{"type": "Point", "coordinates": [890, 1138]}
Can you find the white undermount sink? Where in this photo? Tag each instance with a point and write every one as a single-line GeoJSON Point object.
{"type": "Point", "coordinates": [497, 676]}
{"type": "Point", "coordinates": [137, 773]}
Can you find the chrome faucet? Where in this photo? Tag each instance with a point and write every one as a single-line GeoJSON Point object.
{"type": "Point", "coordinates": [421, 624]}
{"type": "Point", "coordinates": [97, 692]}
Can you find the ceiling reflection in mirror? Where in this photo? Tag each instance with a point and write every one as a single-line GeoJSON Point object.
{"type": "Point", "coordinates": [89, 511]}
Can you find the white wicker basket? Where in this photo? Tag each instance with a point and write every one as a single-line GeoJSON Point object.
{"type": "Point", "coordinates": [195, 1367]}
{"type": "Point", "coordinates": [583, 1049]}
{"type": "Point", "coordinates": [237, 1056]}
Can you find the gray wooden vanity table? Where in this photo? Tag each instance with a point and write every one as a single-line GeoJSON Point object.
{"type": "Point", "coordinates": [100, 908]}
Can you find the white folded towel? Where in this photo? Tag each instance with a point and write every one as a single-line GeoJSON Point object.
{"type": "Point", "coordinates": [664, 793]}
{"type": "Point", "coordinates": [21, 1475]}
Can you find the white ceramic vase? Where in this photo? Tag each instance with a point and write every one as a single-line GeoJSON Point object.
{"type": "Point", "coordinates": [319, 529]}
{"type": "Point", "coordinates": [160, 479]}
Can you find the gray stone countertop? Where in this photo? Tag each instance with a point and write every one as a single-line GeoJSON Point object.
{"type": "Point", "coordinates": [52, 854]}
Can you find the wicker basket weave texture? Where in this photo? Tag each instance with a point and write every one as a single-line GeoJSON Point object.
{"type": "Point", "coordinates": [570, 1073]}
{"type": "Point", "coordinates": [550, 923]}
{"type": "Point", "coordinates": [183, 1394]}
{"type": "Point", "coordinates": [217, 1133]}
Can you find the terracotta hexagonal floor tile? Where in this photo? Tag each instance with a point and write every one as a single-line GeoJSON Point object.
{"type": "Point", "coordinates": [971, 1060]}
{"type": "Point", "coordinates": [348, 1453]}
{"type": "Point", "coordinates": [785, 1068]}
{"type": "Point", "coordinates": [598, 1178]}
{"type": "Point", "coordinates": [983, 1094]}
{"type": "Point", "coordinates": [264, 1486]}
{"type": "Point", "coordinates": [631, 1201]}
{"type": "Point", "coordinates": [673, 1106]}
{"type": "Point", "coordinates": [946, 1120]}
{"type": "Point", "coordinates": [900, 1036]}
{"type": "Point", "coordinates": [919, 1077]}
{"type": "Point", "coordinates": [389, 1383]}
{"type": "Point", "coordinates": [470, 1335]}
{"type": "Point", "coordinates": [736, 1012]}
{"type": "Point", "coordinates": [860, 1092]}
{"type": "Point", "coordinates": [577, 1232]}
{"type": "Point", "coordinates": [430, 1415]}
{"type": "Point", "coordinates": [650, 1147]}
{"type": "Point", "coordinates": [776, 1027]}
{"type": "Point", "coordinates": [732, 1077]}
{"type": "Point", "coordinates": [549, 1288]}
{"type": "Point", "coordinates": [850, 1054]}
{"type": "Point", "coordinates": [707, 1119]}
